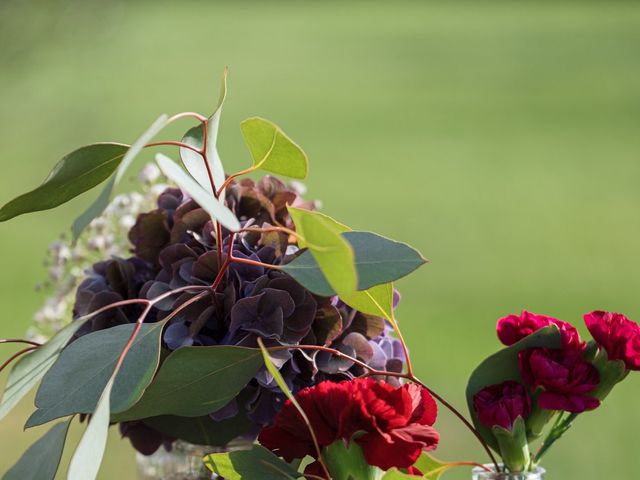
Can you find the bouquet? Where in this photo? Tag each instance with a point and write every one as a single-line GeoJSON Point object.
{"type": "Point", "coordinates": [217, 310]}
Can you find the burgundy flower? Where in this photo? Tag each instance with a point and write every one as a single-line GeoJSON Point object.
{"type": "Point", "coordinates": [394, 425]}
{"type": "Point", "coordinates": [501, 404]}
{"type": "Point", "coordinates": [618, 335]}
{"type": "Point", "coordinates": [513, 328]}
{"type": "Point", "coordinates": [564, 376]}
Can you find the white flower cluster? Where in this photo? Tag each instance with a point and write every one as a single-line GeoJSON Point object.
{"type": "Point", "coordinates": [107, 236]}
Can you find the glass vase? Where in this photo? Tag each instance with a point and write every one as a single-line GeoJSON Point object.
{"type": "Point", "coordinates": [183, 462]}
{"type": "Point", "coordinates": [481, 474]}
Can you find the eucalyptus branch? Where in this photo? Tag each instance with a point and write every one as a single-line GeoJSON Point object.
{"type": "Point", "coordinates": [175, 144]}
{"type": "Point", "coordinates": [16, 355]}
{"type": "Point", "coordinates": [180, 115]}
{"type": "Point", "coordinates": [230, 178]}
{"type": "Point", "coordinates": [20, 340]}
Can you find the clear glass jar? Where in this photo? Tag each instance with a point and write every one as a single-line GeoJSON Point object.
{"type": "Point", "coordinates": [183, 462]}
{"type": "Point", "coordinates": [481, 474]}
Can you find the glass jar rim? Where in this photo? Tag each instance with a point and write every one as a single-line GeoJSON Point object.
{"type": "Point", "coordinates": [536, 471]}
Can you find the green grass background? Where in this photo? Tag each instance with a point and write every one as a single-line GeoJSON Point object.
{"type": "Point", "coordinates": [500, 138]}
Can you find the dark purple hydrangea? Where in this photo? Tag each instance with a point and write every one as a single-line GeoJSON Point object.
{"type": "Point", "coordinates": [175, 246]}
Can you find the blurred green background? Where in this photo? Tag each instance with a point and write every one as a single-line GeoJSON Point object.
{"type": "Point", "coordinates": [501, 138]}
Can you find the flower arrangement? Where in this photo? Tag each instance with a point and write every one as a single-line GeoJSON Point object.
{"type": "Point", "coordinates": [209, 308]}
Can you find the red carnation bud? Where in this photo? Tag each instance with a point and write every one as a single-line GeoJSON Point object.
{"type": "Point", "coordinates": [565, 377]}
{"type": "Point", "coordinates": [501, 404]}
{"type": "Point", "coordinates": [618, 335]}
{"type": "Point", "coordinates": [513, 328]}
{"type": "Point", "coordinates": [394, 425]}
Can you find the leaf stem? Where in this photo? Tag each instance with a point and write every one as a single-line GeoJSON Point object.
{"type": "Point", "coordinates": [230, 178]}
{"type": "Point", "coordinates": [175, 144]}
{"type": "Point", "coordinates": [16, 355]}
{"type": "Point", "coordinates": [20, 340]}
{"type": "Point", "coordinates": [180, 115]}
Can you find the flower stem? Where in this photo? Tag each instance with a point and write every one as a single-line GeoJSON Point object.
{"type": "Point", "coordinates": [559, 428]}
{"type": "Point", "coordinates": [19, 340]}
{"type": "Point", "coordinates": [174, 144]}
{"type": "Point", "coordinates": [230, 178]}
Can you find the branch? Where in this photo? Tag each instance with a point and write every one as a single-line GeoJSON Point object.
{"type": "Point", "coordinates": [14, 356]}
{"type": "Point", "coordinates": [20, 340]}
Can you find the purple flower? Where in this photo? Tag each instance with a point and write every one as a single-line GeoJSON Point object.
{"type": "Point", "coordinates": [501, 404]}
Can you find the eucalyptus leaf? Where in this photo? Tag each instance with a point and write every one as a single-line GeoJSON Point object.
{"type": "Point", "coordinates": [257, 463]}
{"type": "Point", "coordinates": [332, 255]}
{"type": "Point", "coordinates": [195, 381]}
{"type": "Point", "coordinates": [77, 172]}
{"type": "Point", "coordinates": [378, 260]}
{"type": "Point", "coordinates": [193, 161]}
{"type": "Point", "coordinates": [41, 460]}
{"type": "Point", "coordinates": [30, 368]}
{"type": "Point", "coordinates": [376, 300]}
{"type": "Point", "coordinates": [503, 366]}
{"type": "Point", "coordinates": [201, 430]}
{"type": "Point", "coordinates": [87, 458]}
{"type": "Point", "coordinates": [76, 381]}
{"type": "Point", "coordinates": [206, 200]}
{"type": "Point", "coordinates": [272, 150]}
{"type": "Point", "coordinates": [99, 205]}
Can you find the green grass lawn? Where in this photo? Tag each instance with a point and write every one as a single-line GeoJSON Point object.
{"type": "Point", "coordinates": [501, 138]}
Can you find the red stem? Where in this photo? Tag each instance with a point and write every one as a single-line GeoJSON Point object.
{"type": "Point", "coordinates": [230, 178]}
{"type": "Point", "coordinates": [175, 144]}
{"type": "Point", "coordinates": [180, 115]}
{"type": "Point", "coordinates": [247, 261]}
{"type": "Point", "coordinates": [20, 340]}
{"type": "Point", "coordinates": [16, 355]}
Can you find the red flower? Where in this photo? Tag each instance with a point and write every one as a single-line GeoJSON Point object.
{"type": "Point", "coordinates": [565, 377]}
{"type": "Point", "coordinates": [513, 328]}
{"type": "Point", "coordinates": [393, 425]}
{"type": "Point", "coordinates": [618, 335]}
{"type": "Point", "coordinates": [502, 404]}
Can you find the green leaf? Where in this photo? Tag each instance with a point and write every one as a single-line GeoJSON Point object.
{"type": "Point", "coordinates": [250, 464]}
{"type": "Point", "coordinates": [87, 458]}
{"type": "Point", "coordinates": [330, 252]}
{"type": "Point", "coordinates": [41, 460]}
{"type": "Point", "coordinates": [513, 444]}
{"type": "Point", "coordinates": [272, 150]}
{"type": "Point", "coordinates": [378, 260]}
{"type": "Point", "coordinates": [205, 199]}
{"type": "Point", "coordinates": [193, 161]}
{"type": "Point", "coordinates": [99, 205]}
{"type": "Point", "coordinates": [347, 462]}
{"type": "Point", "coordinates": [376, 300]}
{"type": "Point", "coordinates": [430, 466]}
{"type": "Point", "coordinates": [201, 430]}
{"type": "Point", "coordinates": [195, 381]}
{"type": "Point", "coordinates": [503, 366]}
{"type": "Point", "coordinates": [76, 381]}
{"type": "Point", "coordinates": [30, 368]}
{"type": "Point", "coordinates": [77, 172]}
{"type": "Point", "coordinates": [611, 373]}
{"type": "Point", "coordinates": [273, 370]}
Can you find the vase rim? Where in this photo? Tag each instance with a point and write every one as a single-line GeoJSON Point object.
{"type": "Point", "coordinates": [536, 471]}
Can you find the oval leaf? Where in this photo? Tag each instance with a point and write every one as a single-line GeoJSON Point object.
{"type": "Point", "coordinates": [98, 206]}
{"type": "Point", "coordinates": [503, 366]}
{"type": "Point", "coordinates": [195, 381]}
{"type": "Point", "coordinates": [246, 464]}
{"type": "Point", "coordinates": [332, 254]}
{"type": "Point", "coordinates": [272, 150]}
{"type": "Point", "coordinates": [87, 458]}
{"type": "Point", "coordinates": [77, 172]}
{"type": "Point", "coordinates": [205, 199]}
{"type": "Point", "coordinates": [76, 381]}
{"type": "Point", "coordinates": [30, 368]}
{"type": "Point", "coordinates": [378, 260]}
{"type": "Point", "coordinates": [376, 301]}
{"type": "Point", "coordinates": [193, 161]}
{"type": "Point", "coordinates": [41, 460]}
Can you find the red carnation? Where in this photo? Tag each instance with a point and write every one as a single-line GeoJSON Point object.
{"type": "Point", "coordinates": [513, 328]}
{"type": "Point", "coordinates": [618, 335]}
{"type": "Point", "coordinates": [502, 404]}
{"type": "Point", "coordinates": [394, 425]}
{"type": "Point", "coordinates": [565, 377]}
